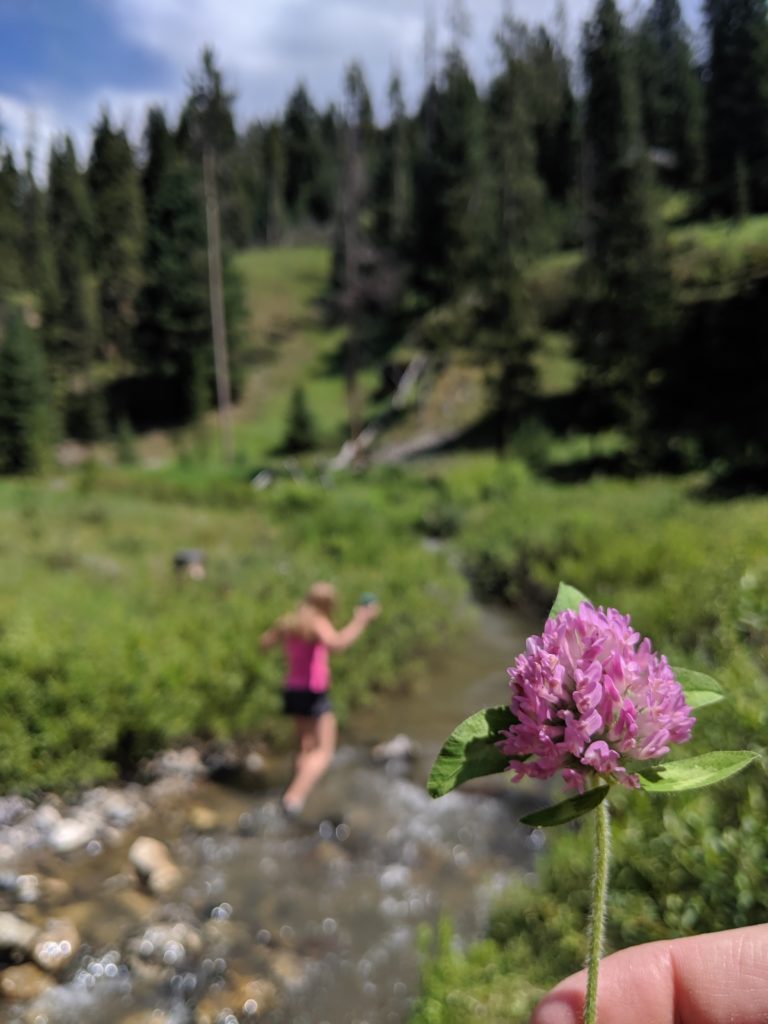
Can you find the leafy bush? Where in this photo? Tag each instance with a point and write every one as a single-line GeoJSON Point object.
{"type": "Point", "coordinates": [694, 577]}
{"type": "Point", "coordinates": [105, 654]}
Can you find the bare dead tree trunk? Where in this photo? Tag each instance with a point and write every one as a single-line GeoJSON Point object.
{"type": "Point", "coordinates": [350, 214]}
{"type": "Point", "coordinates": [218, 316]}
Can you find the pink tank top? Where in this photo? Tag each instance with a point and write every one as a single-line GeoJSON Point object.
{"type": "Point", "coordinates": [308, 665]}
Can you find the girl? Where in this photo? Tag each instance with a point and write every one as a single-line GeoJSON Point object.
{"type": "Point", "coordinates": [308, 636]}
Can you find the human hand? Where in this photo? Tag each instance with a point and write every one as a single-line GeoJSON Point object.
{"type": "Point", "coordinates": [367, 612]}
{"type": "Point", "coordinates": [718, 978]}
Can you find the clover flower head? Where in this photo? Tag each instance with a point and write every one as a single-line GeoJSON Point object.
{"type": "Point", "coordinates": [589, 696]}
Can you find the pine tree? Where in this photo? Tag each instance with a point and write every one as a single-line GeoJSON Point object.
{"type": "Point", "coordinates": [11, 224]}
{"type": "Point", "coordinates": [671, 93]}
{"type": "Point", "coordinates": [302, 153]}
{"type": "Point", "coordinates": [552, 108]}
{"type": "Point", "coordinates": [36, 255]}
{"type": "Point", "coordinates": [69, 307]}
{"type": "Point", "coordinates": [451, 216]}
{"type": "Point", "coordinates": [737, 102]}
{"type": "Point", "coordinates": [174, 317]}
{"type": "Point", "coordinates": [24, 400]}
{"type": "Point", "coordinates": [274, 174]}
{"type": "Point", "coordinates": [505, 339]}
{"type": "Point", "coordinates": [628, 309]}
{"type": "Point", "coordinates": [118, 234]}
{"type": "Point", "coordinates": [301, 433]}
{"type": "Point", "coordinates": [392, 184]}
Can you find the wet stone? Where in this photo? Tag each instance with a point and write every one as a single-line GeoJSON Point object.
{"type": "Point", "coordinates": [399, 748]}
{"type": "Point", "coordinates": [147, 1017]}
{"type": "Point", "coordinates": [70, 834]}
{"type": "Point", "coordinates": [12, 809]}
{"type": "Point", "coordinates": [152, 862]}
{"type": "Point", "coordinates": [246, 999]}
{"type": "Point", "coordinates": [165, 948]}
{"type": "Point", "coordinates": [56, 945]}
{"type": "Point", "coordinates": [289, 968]}
{"type": "Point", "coordinates": [186, 762]}
{"type": "Point", "coordinates": [24, 982]}
{"type": "Point", "coordinates": [55, 890]}
{"type": "Point", "coordinates": [202, 818]}
{"type": "Point", "coordinates": [16, 935]}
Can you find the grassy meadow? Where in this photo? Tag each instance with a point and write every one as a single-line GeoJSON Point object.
{"type": "Point", "coordinates": [106, 656]}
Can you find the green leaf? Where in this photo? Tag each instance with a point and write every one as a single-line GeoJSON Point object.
{"type": "Point", "coordinates": [695, 772]}
{"type": "Point", "coordinates": [568, 598]}
{"type": "Point", "coordinates": [470, 751]}
{"type": "Point", "coordinates": [700, 690]}
{"type": "Point", "coordinates": [569, 809]}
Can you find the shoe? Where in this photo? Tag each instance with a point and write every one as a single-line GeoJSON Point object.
{"type": "Point", "coordinates": [291, 811]}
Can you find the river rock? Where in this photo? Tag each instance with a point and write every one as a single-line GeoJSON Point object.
{"type": "Point", "coordinates": [138, 905]}
{"type": "Point", "coordinates": [56, 945]}
{"type": "Point", "coordinates": [12, 809]}
{"type": "Point", "coordinates": [147, 1017]}
{"type": "Point", "coordinates": [117, 807]}
{"type": "Point", "coordinates": [399, 748]}
{"type": "Point", "coordinates": [70, 834]}
{"type": "Point", "coordinates": [289, 968]}
{"type": "Point", "coordinates": [186, 762]}
{"type": "Point", "coordinates": [222, 936]}
{"type": "Point", "coordinates": [153, 864]}
{"type": "Point", "coordinates": [202, 818]}
{"type": "Point", "coordinates": [24, 982]}
{"type": "Point", "coordinates": [247, 999]}
{"type": "Point", "coordinates": [16, 935]}
{"type": "Point", "coordinates": [55, 890]}
{"type": "Point", "coordinates": [163, 949]}
{"type": "Point", "coordinates": [27, 889]}
{"type": "Point", "coordinates": [255, 763]}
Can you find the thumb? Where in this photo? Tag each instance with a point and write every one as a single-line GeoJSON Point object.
{"type": "Point", "coordinates": [719, 978]}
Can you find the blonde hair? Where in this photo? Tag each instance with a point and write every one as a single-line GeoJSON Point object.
{"type": "Point", "coordinates": [320, 599]}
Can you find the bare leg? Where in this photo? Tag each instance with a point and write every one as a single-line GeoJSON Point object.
{"type": "Point", "coordinates": [317, 745]}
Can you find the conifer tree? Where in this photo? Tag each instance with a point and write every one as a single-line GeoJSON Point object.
{"type": "Point", "coordinates": [36, 256]}
{"type": "Point", "coordinates": [670, 92]}
{"type": "Point", "coordinates": [174, 316]}
{"type": "Point", "coordinates": [301, 433]}
{"type": "Point", "coordinates": [506, 335]}
{"type": "Point", "coordinates": [25, 417]}
{"type": "Point", "coordinates": [69, 307]}
{"type": "Point", "coordinates": [303, 157]}
{"type": "Point", "coordinates": [737, 103]}
{"type": "Point", "coordinates": [451, 218]}
{"type": "Point", "coordinates": [11, 224]}
{"type": "Point", "coordinates": [627, 284]}
{"type": "Point", "coordinates": [552, 108]}
{"type": "Point", "coordinates": [392, 184]}
{"type": "Point", "coordinates": [118, 234]}
{"type": "Point", "coordinates": [274, 173]}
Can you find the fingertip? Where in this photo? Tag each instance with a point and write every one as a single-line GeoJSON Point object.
{"type": "Point", "coordinates": [563, 1005]}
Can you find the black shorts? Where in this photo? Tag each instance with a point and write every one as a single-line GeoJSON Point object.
{"type": "Point", "coordinates": [305, 704]}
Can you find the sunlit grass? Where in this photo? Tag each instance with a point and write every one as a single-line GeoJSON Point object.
{"type": "Point", "coordinates": [292, 344]}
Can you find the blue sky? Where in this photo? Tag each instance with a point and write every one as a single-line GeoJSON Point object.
{"type": "Point", "coordinates": [63, 61]}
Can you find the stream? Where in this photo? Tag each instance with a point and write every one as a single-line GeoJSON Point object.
{"type": "Point", "coordinates": [310, 922]}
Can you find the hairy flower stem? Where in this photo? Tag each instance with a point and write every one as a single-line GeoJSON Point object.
{"type": "Point", "coordinates": [599, 908]}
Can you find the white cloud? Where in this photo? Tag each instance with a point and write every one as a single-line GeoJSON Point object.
{"type": "Point", "coordinates": [267, 46]}
{"type": "Point", "coordinates": [24, 125]}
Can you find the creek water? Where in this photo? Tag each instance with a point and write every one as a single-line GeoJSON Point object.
{"type": "Point", "coordinates": [331, 907]}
